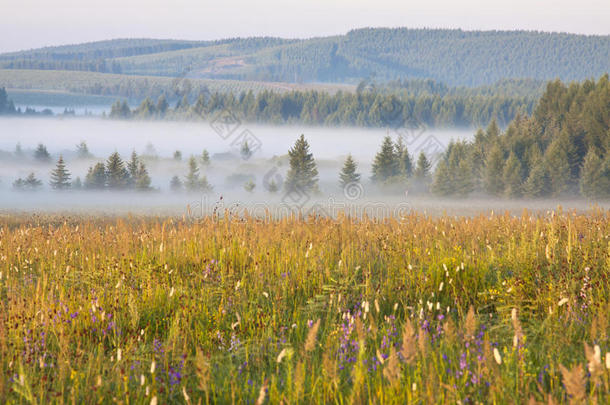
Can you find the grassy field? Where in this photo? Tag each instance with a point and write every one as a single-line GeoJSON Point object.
{"type": "Point", "coordinates": [136, 87]}
{"type": "Point", "coordinates": [492, 309]}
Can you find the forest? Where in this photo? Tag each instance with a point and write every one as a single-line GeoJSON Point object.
{"type": "Point", "coordinates": [453, 56]}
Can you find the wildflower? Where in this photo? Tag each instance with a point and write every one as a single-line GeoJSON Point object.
{"type": "Point", "coordinates": [265, 294]}
{"type": "Point", "coordinates": [608, 360]}
{"type": "Point", "coordinates": [171, 292]}
{"type": "Point", "coordinates": [440, 287]}
{"type": "Point", "coordinates": [497, 356]}
{"type": "Point", "coordinates": [152, 367]}
{"type": "Point", "coordinates": [153, 401]}
{"type": "Point", "coordinates": [119, 355]}
{"type": "Point", "coordinates": [562, 302]}
{"type": "Point", "coordinates": [414, 387]}
{"type": "Point", "coordinates": [186, 397]}
{"type": "Point", "coordinates": [142, 379]}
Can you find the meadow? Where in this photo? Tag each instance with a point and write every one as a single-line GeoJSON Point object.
{"type": "Point", "coordinates": [150, 310]}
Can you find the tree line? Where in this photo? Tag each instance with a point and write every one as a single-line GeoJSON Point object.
{"type": "Point", "coordinates": [365, 108]}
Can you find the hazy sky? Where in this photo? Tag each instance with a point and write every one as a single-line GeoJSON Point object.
{"type": "Point", "coordinates": [35, 23]}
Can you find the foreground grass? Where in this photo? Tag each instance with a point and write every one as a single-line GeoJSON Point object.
{"type": "Point", "coordinates": [494, 309]}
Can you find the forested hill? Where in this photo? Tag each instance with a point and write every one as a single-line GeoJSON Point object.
{"type": "Point", "coordinates": [454, 57]}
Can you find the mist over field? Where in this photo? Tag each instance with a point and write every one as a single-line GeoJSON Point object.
{"type": "Point", "coordinates": [157, 141]}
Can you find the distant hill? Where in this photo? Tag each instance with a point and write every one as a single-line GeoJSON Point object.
{"type": "Point", "coordinates": [453, 57]}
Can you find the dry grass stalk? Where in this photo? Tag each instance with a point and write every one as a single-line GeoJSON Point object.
{"type": "Point", "coordinates": [310, 342]}
{"type": "Point", "coordinates": [471, 324]}
{"type": "Point", "coordinates": [574, 382]}
{"type": "Point", "coordinates": [392, 368]}
{"type": "Point", "coordinates": [408, 350]}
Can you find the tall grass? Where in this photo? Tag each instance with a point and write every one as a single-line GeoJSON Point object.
{"type": "Point", "coordinates": [493, 309]}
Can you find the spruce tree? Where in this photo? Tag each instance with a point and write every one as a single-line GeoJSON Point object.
{"type": "Point", "coordinates": [302, 175]}
{"type": "Point", "coordinates": [538, 183]}
{"type": "Point", "coordinates": [41, 153]}
{"type": "Point", "coordinates": [192, 178]}
{"type": "Point", "coordinates": [142, 179]}
{"type": "Point", "coordinates": [82, 151]}
{"type": "Point", "coordinates": [117, 176]}
{"type": "Point", "coordinates": [595, 176]}
{"type": "Point", "coordinates": [175, 184]}
{"type": "Point", "coordinates": [442, 184]}
{"type": "Point", "coordinates": [245, 151]}
{"type": "Point", "coordinates": [348, 173]}
{"type": "Point", "coordinates": [494, 165]}
{"type": "Point", "coordinates": [556, 159]}
{"type": "Point", "coordinates": [205, 158]}
{"type": "Point", "coordinates": [77, 184]}
{"type": "Point", "coordinates": [60, 177]}
{"type": "Point", "coordinates": [32, 183]}
{"type": "Point", "coordinates": [386, 163]}
{"type": "Point", "coordinates": [512, 176]}
{"type": "Point", "coordinates": [422, 171]}
{"type": "Point", "coordinates": [96, 177]}
{"type": "Point", "coordinates": [132, 167]}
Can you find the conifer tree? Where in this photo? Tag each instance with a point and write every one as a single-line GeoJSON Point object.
{"type": "Point", "coordinates": [77, 184]}
{"type": "Point", "coordinates": [82, 150]}
{"type": "Point", "coordinates": [348, 173]}
{"type": "Point", "coordinates": [556, 159]}
{"type": "Point", "coordinates": [386, 163]}
{"type": "Point", "coordinates": [142, 179]}
{"type": "Point", "coordinates": [245, 151]}
{"type": "Point", "coordinates": [494, 165]}
{"type": "Point", "coordinates": [442, 184]}
{"type": "Point", "coordinates": [538, 183]}
{"type": "Point", "coordinates": [60, 177]}
{"type": "Point", "coordinates": [422, 171]}
{"type": "Point", "coordinates": [512, 176]}
{"type": "Point", "coordinates": [595, 176]}
{"type": "Point", "coordinates": [117, 176]}
{"type": "Point", "coordinates": [132, 168]}
{"type": "Point", "coordinates": [30, 183]}
{"type": "Point", "coordinates": [41, 153]}
{"type": "Point", "coordinates": [96, 177]}
{"type": "Point", "coordinates": [205, 158]}
{"type": "Point", "coordinates": [175, 183]}
{"type": "Point", "coordinates": [192, 178]}
{"type": "Point", "coordinates": [302, 175]}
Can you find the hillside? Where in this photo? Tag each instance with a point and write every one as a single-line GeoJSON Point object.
{"type": "Point", "coordinates": [454, 57]}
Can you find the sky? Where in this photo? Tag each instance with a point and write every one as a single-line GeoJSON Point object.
{"type": "Point", "coordinates": [29, 24]}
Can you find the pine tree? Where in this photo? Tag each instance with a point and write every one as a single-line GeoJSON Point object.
{"type": "Point", "coordinates": [464, 184]}
{"type": "Point", "coordinates": [82, 151]}
{"type": "Point", "coordinates": [303, 174]}
{"type": "Point", "coordinates": [175, 184]}
{"type": "Point", "coordinates": [595, 176]}
{"type": "Point", "coordinates": [556, 159]}
{"type": "Point", "coordinates": [41, 153]}
{"type": "Point", "coordinates": [117, 176]}
{"type": "Point", "coordinates": [442, 184]}
{"type": "Point", "coordinates": [272, 187]}
{"type": "Point", "coordinates": [422, 171]}
{"type": "Point", "coordinates": [192, 178]}
{"type": "Point", "coordinates": [142, 179]}
{"type": "Point", "coordinates": [77, 184]}
{"type": "Point", "coordinates": [512, 176]}
{"type": "Point", "coordinates": [205, 158]}
{"type": "Point", "coordinates": [60, 177]}
{"type": "Point", "coordinates": [96, 177]}
{"type": "Point", "coordinates": [162, 105]}
{"type": "Point", "coordinates": [30, 183]}
{"type": "Point", "coordinates": [405, 165]}
{"type": "Point", "coordinates": [133, 167]}
{"type": "Point", "coordinates": [245, 151]}
{"type": "Point", "coordinates": [538, 183]}
{"type": "Point", "coordinates": [494, 165]}
{"type": "Point", "coordinates": [348, 173]}
{"type": "Point", "coordinates": [386, 163]}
